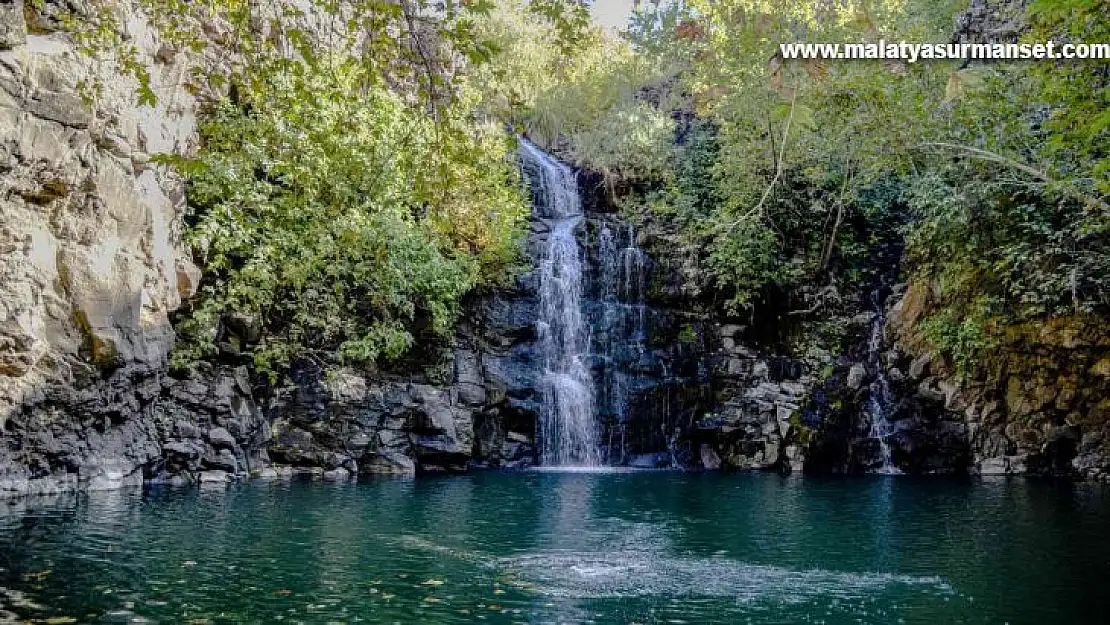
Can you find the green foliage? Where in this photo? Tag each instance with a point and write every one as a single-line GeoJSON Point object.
{"type": "Point", "coordinates": [1031, 254]}
{"type": "Point", "coordinates": [571, 21]}
{"type": "Point", "coordinates": [96, 33]}
{"type": "Point", "coordinates": [402, 44]}
{"type": "Point", "coordinates": [658, 30]}
{"type": "Point", "coordinates": [350, 189]}
{"type": "Point", "coordinates": [333, 213]}
{"type": "Point", "coordinates": [1013, 221]}
{"type": "Point", "coordinates": [963, 333]}
{"type": "Point", "coordinates": [1002, 167]}
{"type": "Point", "coordinates": [577, 84]}
{"type": "Point", "coordinates": [802, 141]}
{"type": "Point", "coordinates": [1078, 92]}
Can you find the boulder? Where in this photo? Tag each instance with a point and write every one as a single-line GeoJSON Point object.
{"type": "Point", "coordinates": [337, 475]}
{"type": "Point", "coordinates": [185, 429]}
{"type": "Point", "coordinates": [856, 376]}
{"type": "Point", "coordinates": [656, 460]}
{"type": "Point", "coordinates": [709, 458]}
{"type": "Point", "coordinates": [387, 463]}
{"type": "Point", "coordinates": [13, 26]}
{"type": "Point", "coordinates": [919, 367]}
{"type": "Point", "coordinates": [221, 439]}
{"type": "Point", "coordinates": [214, 477]}
{"type": "Point", "coordinates": [185, 450]}
{"type": "Point", "coordinates": [223, 460]}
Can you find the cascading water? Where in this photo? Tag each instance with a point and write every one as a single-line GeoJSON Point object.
{"type": "Point", "coordinates": [568, 428]}
{"type": "Point", "coordinates": [880, 398]}
{"type": "Point", "coordinates": [621, 291]}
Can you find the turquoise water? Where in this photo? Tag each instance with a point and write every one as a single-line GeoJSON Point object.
{"type": "Point", "coordinates": [652, 547]}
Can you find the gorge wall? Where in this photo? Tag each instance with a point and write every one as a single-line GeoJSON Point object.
{"type": "Point", "coordinates": [92, 265]}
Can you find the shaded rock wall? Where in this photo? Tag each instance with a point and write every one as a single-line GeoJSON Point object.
{"type": "Point", "coordinates": [1038, 403]}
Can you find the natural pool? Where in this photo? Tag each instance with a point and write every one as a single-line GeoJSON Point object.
{"type": "Point", "coordinates": [653, 547]}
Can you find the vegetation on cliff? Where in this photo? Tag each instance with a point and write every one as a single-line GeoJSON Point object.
{"type": "Point", "coordinates": [787, 175]}
{"type": "Point", "coordinates": [355, 179]}
{"type": "Point", "coordinates": [347, 192]}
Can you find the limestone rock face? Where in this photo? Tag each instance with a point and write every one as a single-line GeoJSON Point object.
{"type": "Point", "coordinates": [91, 261]}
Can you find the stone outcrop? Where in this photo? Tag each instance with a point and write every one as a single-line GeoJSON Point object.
{"type": "Point", "coordinates": [1038, 403]}
{"type": "Point", "coordinates": [756, 423]}
{"type": "Point", "coordinates": [91, 262]}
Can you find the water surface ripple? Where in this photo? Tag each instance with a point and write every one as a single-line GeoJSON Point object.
{"type": "Point", "coordinates": [565, 547]}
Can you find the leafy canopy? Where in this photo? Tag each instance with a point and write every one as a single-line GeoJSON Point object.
{"type": "Point", "coordinates": [330, 213]}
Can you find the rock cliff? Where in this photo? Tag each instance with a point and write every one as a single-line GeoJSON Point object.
{"type": "Point", "coordinates": [92, 266]}
{"type": "Point", "coordinates": [1039, 403]}
{"type": "Point", "coordinates": [91, 263]}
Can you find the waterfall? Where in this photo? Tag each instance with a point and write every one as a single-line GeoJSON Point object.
{"type": "Point", "coordinates": [621, 339]}
{"type": "Point", "coordinates": [880, 399]}
{"type": "Point", "coordinates": [568, 429]}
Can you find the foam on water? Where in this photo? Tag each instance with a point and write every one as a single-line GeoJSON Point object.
{"type": "Point", "coordinates": [618, 558]}
{"type": "Point", "coordinates": [592, 575]}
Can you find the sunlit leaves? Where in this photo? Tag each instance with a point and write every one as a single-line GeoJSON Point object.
{"type": "Point", "coordinates": [584, 92]}
{"type": "Point", "coordinates": [342, 218]}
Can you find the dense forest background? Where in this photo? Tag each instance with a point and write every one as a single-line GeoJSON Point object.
{"type": "Point", "coordinates": [350, 189]}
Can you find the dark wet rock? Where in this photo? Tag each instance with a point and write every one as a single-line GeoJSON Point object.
{"type": "Point", "coordinates": [214, 478]}
{"type": "Point", "coordinates": [709, 458]}
{"type": "Point", "coordinates": [337, 475]}
{"type": "Point", "coordinates": [387, 463]}
{"type": "Point", "coordinates": [856, 375]}
{"type": "Point", "coordinates": [220, 438]}
{"type": "Point", "coordinates": [657, 460]}
{"type": "Point", "coordinates": [222, 460]}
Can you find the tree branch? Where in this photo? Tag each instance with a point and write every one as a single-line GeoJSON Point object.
{"type": "Point", "coordinates": [827, 256]}
{"type": "Point", "coordinates": [778, 166]}
{"type": "Point", "coordinates": [992, 157]}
